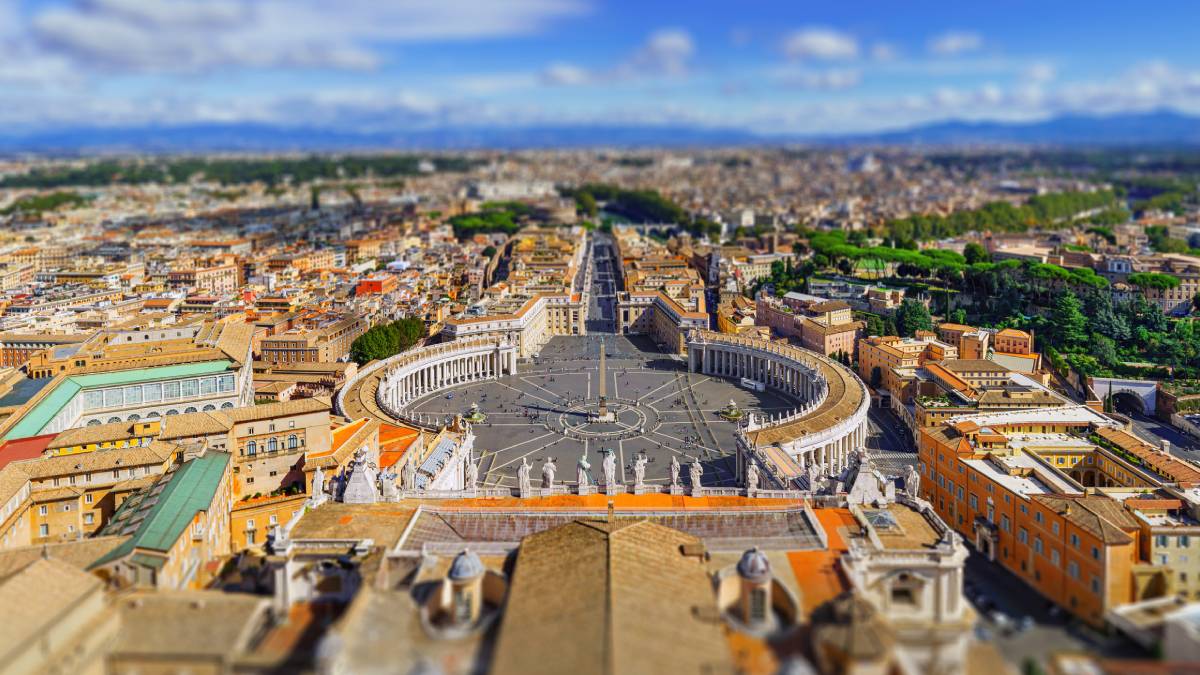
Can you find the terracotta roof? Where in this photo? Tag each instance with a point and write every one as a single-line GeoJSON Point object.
{"type": "Point", "coordinates": [625, 599]}
{"type": "Point", "coordinates": [1103, 517]}
{"type": "Point", "coordinates": [24, 448]}
{"type": "Point", "coordinates": [36, 598]}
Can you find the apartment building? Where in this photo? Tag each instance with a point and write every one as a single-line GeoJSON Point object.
{"type": "Point", "coordinates": [323, 338]}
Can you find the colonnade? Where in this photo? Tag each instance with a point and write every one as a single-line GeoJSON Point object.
{"type": "Point", "coordinates": [433, 368]}
{"type": "Point", "coordinates": [802, 374]}
{"type": "Point", "coordinates": [774, 371]}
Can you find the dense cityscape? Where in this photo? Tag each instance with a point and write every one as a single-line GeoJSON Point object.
{"type": "Point", "coordinates": [593, 337]}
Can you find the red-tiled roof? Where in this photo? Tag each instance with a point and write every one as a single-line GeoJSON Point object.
{"type": "Point", "coordinates": [24, 448]}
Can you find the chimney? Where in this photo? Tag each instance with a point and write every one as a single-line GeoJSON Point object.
{"type": "Point", "coordinates": [1166, 447]}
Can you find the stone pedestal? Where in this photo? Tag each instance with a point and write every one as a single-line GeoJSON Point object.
{"type": "Point", "coordinates": [613, 489]}
{"type": "Point", "coordinates": [644, 489]}
{"type": "Point", "coordinates": [697, 492]}
{"type": "Point", "coordinates": [677, 490]}
{"type": "Point", "coordinates": [586, 490]}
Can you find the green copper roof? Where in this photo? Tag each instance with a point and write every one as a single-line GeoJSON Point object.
{"type": "Point", "coordinates": [34, 422]}
{"type": "Point", "coordinates": [160, 513]}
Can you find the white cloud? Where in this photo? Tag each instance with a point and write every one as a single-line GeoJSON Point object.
{"type": "Point", "coordinates": [667, 51]}
{"type": "Point", "coordinates": [883, 51]}
{"type": "Point", "coordinates": [1041, 72]}
{"type": "Point", "coordinates": [955, 42]}
{"type": "Point", "coordinates": [818, 43]}
{"type": "Point", "coordinates": [200, 35]}
{"type": "Point", "coordinates": [832, 79]}
{"type": "Point", "coordinates": [566, 74]}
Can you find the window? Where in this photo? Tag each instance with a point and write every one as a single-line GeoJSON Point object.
{"type": "Point", "coordinates": [152, 392]}
{"type": "Point", "coordinates": [1037, 544]}
{"type": "Point", "coordinates": [170, 390]}
{"type": "Point", "coordinates": [88, 518]}
{"type": "Point", "coordinates": [187, 388]}
{"type": "Point", "coordinates": [1005, 524]}
{"type": "Point", "coordinates": [208, 385]}
{"type": "Point", "coordinates": [1037, 517]}
{"type": "Point", "coordinates": [43, 530]}
{"type": "Point", "coordinates": [1054, 556]}
{"type": "Point", "coordinates": [87, 499]}
{"type": "Point", "coordinates": [66, 507]}
{"type": "Point", "coordinates": [1023, 535]}
{"type": "Point", "coordinates": [42, 510]}
{"type": "Point", "coordinates": [133, 395]}
{"type": "Point", "coordinates": [274, 520]}
{"type": "Point", "coordinates": [1054, 527]}
{"type": "Point", "coordinates": [903, 595]}
{"type": "Point", "coordinates": [1096, 585]}
{"type": "Point", "coordinates": [1162, 541]}
{"type": "Point", "coordinates": [1095, 552]}
{"type": "Point", "coordinates": [273, 445]}
{"type": "Point", "coordinates": [1073, 569]}
{"type": "Point", "coordinates": [1184, 541]}
{"type": "Point", "coordinates": [292, 442]}
{"type": "Point", "coordinates": [974, 501]}
{"type": "Point", "coordinates": [1074, 540]}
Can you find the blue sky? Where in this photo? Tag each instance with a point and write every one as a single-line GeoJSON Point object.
{"type": "Point", "coordinates": [797, 67]}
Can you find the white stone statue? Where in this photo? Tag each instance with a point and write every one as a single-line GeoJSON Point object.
{"type": "Point", "coordinates": [523, 476]}
{"type": "Point", "coordinates": [639, 470]}
{"type": "Point", "coordinates": [814, 476]}
{"type": "Point", "coordinates": [674, 472]}
{"type": "Point", "coordinates": [318, 487]}
{"type": "Point", "coordinates": [912, 481]}
{"type": "Point", "coordinates": [610, 467]}
{"type": "Point", "coordinates": [752, 476]}
{"type": "Point", "coordinates": [472, 475]}
{"type": "Point", "coordinates": [581, 471]}
{"type": "Point", "coordinates": [696, 471]}
{"type": "Point", "coordinates": [387, 486]}
{"type": "Point", "coordinates": [548, 469]}
{"type": "Point", "coordinates": [408, 476]}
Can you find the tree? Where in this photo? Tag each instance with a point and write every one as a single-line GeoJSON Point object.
{"type": "Point", "coordinates": [875, 325]}
{"type": "Point", "coordinates": [586, 203]}
{"type": "Point", "coordinates": [1069, 327]}
{"type": "Point", "coordinates": [958, 316]}
{"type": "Point", "coordinates": [975, 253]}
{"type": "Point", "coordinates": [489, 251]}
{"type": "Point", "coordinates": [1105, 351]}
{"type": "Point", "coordinates": [385, 340]}
{"type": "Point", "coordinates": [912, 316]}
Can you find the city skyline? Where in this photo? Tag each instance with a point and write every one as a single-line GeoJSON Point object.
{"type": "Point", "coordinates": [375, 67]}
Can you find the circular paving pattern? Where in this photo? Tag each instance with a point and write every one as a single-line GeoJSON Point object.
{"type": "Point", "coordinates": [549, 408]}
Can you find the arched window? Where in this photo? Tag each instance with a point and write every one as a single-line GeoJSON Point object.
{"type": "Point", "coordinates": [114, 420]}
{"type": "Point", "coordinates": [226, 405]}
{"type": "Point", "coordinates": [172, 412]}
{"type": "Point", "coordinates": [92, 423]}
{"type": "Point", "coordinates": [209, 408]}
{"type": "Point", "coordinates": [190, 409]}
{"type": "Point", "coordinates": [153, 415]}
{"type": "Point", "coordinates": [292, 442]}
{"type": "Point", "coordinates": [251, 448]}
{"type": "Point", "coordinates": [134, 417]}
{"type": "Point", "coordinates": [272, 445]}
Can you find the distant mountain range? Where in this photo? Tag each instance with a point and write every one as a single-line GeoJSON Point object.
{"type": "Point", "coordinates": [1142, 129]}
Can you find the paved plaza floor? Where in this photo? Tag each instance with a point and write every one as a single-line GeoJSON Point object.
{"type": "Point", "coordinates": [547, 411]}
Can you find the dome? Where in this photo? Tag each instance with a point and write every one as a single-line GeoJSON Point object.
{"type": "Point", "coordinates": [466, 565]}
{"type": "Point", "coordinates": [754, 565]}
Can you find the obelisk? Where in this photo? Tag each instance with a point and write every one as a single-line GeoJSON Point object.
{"type": "Point", "coordinates": [602, 413]}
